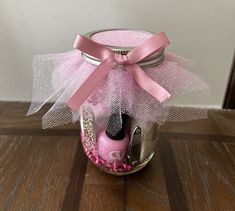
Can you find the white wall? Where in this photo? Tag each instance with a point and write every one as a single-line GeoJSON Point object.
{"type": "Point", "coordinates": [203, 31]}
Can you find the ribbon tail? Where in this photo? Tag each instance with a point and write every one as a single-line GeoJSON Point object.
{"type": "Point", "coordinates": [146, 83]}
{"type": "Point", "coordinates": [85, 90]}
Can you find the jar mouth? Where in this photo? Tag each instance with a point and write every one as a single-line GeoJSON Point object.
{"type": "Point", "coordinates": [150, 61]}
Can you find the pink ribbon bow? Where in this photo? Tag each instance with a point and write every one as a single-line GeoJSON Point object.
{"type": "Point", "coordinates": [110, 60]}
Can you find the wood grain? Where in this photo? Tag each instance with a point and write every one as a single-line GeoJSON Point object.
{"type": "Point", "coordinates": [193, 168]}
{"type": "Point", "coordinates": [14, 116]}
{"type": "Point", "coordinates": [219, 122]}
{"type": "Point", "coordinates": [146, 190]}
{"type": "Point", "coordinates": [207, 171]}
{"type": "Point", "coordinates": [72, 196]}
{"type": "Point", "coordinates": [102, 191]}
{"type": "Point", "coordinates": [33, 171]}
{"type": "Point", "coordinates": [3, 107]}
{"type": "Point", "coordinates": [173, 182]}
{"type": "Point", "coordinates": [225, 121]}
{"type": "Point", "coordinates": [39, 132]}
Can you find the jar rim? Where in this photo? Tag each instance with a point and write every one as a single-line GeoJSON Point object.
{"type": "Point", "coordinates": [150, 61]}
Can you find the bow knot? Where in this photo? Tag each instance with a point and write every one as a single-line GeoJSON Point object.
{"type": "Point", "coordinates": [121, 59]}
{"type": "Point", "coordinates": [110, 60]}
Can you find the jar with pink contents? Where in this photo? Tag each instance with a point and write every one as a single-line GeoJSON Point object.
{"type": "Point", "coordinates": [121, 86]}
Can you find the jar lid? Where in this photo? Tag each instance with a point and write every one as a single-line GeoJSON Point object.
{"type": "Point", "coordinates": [122, 41]}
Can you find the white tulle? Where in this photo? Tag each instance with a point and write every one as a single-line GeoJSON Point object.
{"type": "Point", "coordinates": [58, 76]}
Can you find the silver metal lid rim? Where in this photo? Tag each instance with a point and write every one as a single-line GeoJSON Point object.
{"type": "Point", "coordinates": [150, 61]}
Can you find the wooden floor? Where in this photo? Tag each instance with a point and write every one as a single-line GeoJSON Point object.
{"type": "Point", "coordinates": [193, 169]}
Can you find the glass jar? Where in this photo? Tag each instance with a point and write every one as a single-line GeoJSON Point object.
{"type": "Point", "coordinates": [133, 146]}
{"type": "Point", "coordinates": [124, 156]}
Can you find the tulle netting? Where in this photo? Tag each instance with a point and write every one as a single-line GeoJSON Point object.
{"type": "Point", "coordinates": [58, 76]}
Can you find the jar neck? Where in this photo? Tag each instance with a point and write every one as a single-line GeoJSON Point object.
{"type": "Point", "coordinates": [149, 61]}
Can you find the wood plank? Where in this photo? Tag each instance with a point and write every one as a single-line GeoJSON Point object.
{"type": "Point", "coordinates": [102, 191]}
{"type": "Point", "coordinates": [173, 182]}
{"type": "Point", "coordinates": [201, 137]}
{"type": "Point", "coordinates": [207, 172]}
{"type": "Point", "coordinates": [14, 116]}
{"type": "Point", "coordinates": [39, 132]}
{"type": "Point", "coordinates": [146, 190]}
{"type": "Point", "coordinates": [225, 121]}
{"type": "Point", "coordinates": [220, 122]}
{"type": "Point", "coordinates": [202, 126]}
{"type": "Point", "coordinates": [45, 169]}
{"type": "Point", "coordinates": [3, 106]}
{"type": "Point", "coordinates": [34, 171]}
{"type": "Point", "coordinates": [72, 196]}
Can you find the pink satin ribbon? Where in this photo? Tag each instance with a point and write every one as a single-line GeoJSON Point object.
{"type": "Point", "coordinates": [110, 60]}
